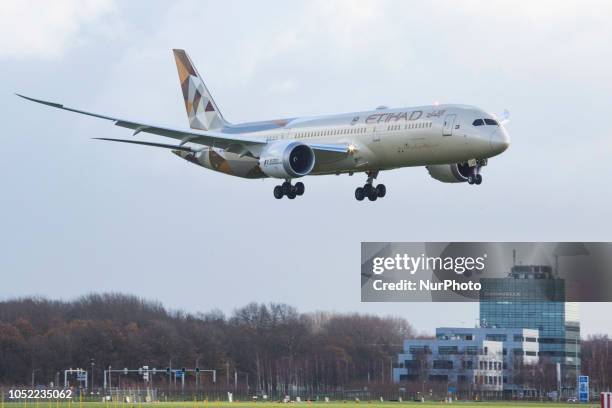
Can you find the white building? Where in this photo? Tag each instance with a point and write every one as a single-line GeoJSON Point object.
{"type": "Point", "coordinates": [474, 365]}
{"type": "Point", "coordinates": [520, 346]}
{"type": "Point", "coordinates": [479, 360]}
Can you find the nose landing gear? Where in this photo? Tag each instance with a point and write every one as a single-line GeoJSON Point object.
{"type": "Point", "coordinates": [474, 177]}
{"type": "Point", "coordinates": [291, 191]}
{"type": "Point", "coordinates": [369, 191]}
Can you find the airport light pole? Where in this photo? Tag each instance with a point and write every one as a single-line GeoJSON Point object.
{"type": "Point", "coordinates": [197, 373]}
{"type": "Point", "coordinates": [33, 373]}
{"type": "Point", "coordinates": [93, 363]}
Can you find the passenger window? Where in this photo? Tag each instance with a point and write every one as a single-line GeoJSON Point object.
{"type": "Point", "coordinates": [491, 122]}
{"type": "Point", "coordinates": [478, 122]}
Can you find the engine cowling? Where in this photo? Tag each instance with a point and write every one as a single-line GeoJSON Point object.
{"type": "Point", "coordinates": [449, 173]}
{"type": "Point", "coordinates": [287, 159]}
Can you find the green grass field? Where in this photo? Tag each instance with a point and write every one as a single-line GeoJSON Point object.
{"type": "Point", "coordinates": [215, 404]}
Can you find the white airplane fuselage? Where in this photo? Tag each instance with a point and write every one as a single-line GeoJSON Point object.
{"type": "Point", "coordinates": [381, 139]}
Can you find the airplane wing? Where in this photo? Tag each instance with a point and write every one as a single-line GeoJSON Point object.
{"type": "Point", "coordinates": [207, 138]}
{"type": "Point", "coordinates": [322, 151]}
{"type": "Point", "coordinates": [330, 147]}
{"type": "Point", "coordinates": [230, 142]}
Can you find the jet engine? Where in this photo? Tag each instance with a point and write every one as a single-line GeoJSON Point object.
{"type": "Point", "coordinates": [450, 173]}
{"type": "Point", "coordinates": [287, 159]}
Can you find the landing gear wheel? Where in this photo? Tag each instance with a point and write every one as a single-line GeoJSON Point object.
{"type": "Point", "coordinates": [478, 179]}
{"type": "Point", "coordinates": [471, 180]}
{"type": "Point", "coordinates": [278, 192]}
{"type": "Point", "coordinates": [291, 195]}
{"type": "Point", "coordinates": [368, 190]}
{"type": "Point", "coordinates": [359, 193]}
{"type": "Point", "coordinates": [286, 188]}
{"type": "Point", "coordinates": [299, 188]}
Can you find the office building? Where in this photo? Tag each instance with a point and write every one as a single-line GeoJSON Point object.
{"type": "Point", "coordinates": [531, 297]}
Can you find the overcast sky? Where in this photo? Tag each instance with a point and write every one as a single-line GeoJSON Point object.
{"type": "Point", "coordinates": [79, 215]}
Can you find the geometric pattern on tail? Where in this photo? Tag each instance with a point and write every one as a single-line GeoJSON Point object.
{"type": "Point", "coordinates": [201, 109]}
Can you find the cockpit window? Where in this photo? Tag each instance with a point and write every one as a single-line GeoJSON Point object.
{"type": "Point", "coordinates": [482, 122]}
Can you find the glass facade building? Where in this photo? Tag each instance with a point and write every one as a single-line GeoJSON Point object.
{"type": "Point", "coordinates": [532, 297]}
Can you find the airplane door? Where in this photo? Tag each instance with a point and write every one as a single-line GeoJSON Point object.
{"type": "Point", "coordinates": [449, 124]}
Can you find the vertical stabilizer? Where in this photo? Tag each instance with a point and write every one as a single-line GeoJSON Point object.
{"type": "Point", "coordinates": [202, 110]}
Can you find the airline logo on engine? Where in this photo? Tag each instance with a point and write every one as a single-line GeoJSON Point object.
{"type": "Point", "coordinates": [272, 162]}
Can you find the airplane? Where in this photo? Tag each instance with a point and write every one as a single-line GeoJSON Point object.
{"type": "Point", "coordinates": [453, 142]}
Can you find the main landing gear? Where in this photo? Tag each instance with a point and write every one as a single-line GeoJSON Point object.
{"type": "Point", "coordinates": [369, 191]}
{"type": "Point", "coordinates": [291, 191]}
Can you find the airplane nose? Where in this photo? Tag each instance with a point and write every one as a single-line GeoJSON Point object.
{"type": "Point", "coordinates": [500, 141]}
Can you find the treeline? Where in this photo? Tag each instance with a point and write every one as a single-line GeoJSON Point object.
{"type": "Point", "coordinates": [273, 345]}
{"type": "Point", "coordinates": [596, 353]}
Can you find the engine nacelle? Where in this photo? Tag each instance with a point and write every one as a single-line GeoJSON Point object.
{"type": "Point", "coordinates": [450, 173]}
{"type": "Point", "coordinates": [287, 159]}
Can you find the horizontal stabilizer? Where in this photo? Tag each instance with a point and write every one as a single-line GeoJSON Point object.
{"type": "Point", "coordinates": [138, 142]}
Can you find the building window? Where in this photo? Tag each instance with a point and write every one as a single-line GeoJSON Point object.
{"type": "Point", "coordinates": [443, 364]}
{"type": "Point", "coordinates": [444, 350]}
{"type": "Point", "coordinates": [412, 364]}
{"type": "Point", "coordinates": [496, 337]}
